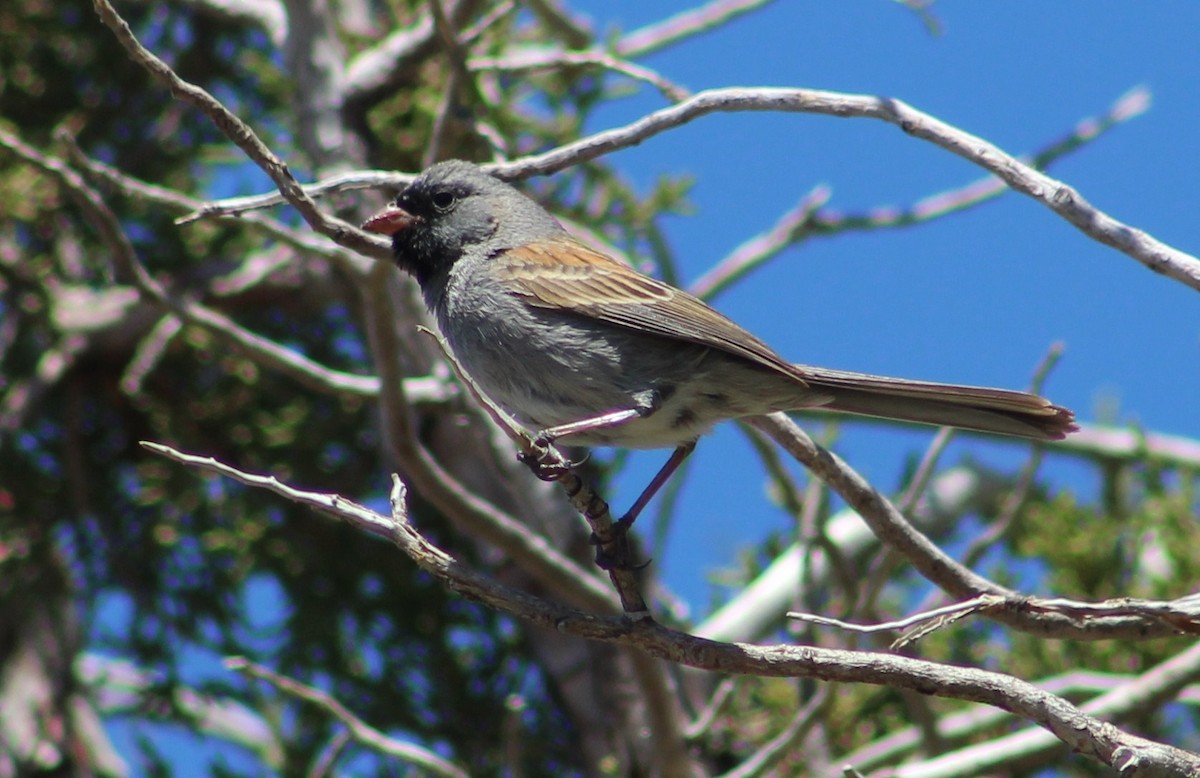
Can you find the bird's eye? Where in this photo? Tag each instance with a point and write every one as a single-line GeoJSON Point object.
{"type": "Point", "coordinates": [443, 200]}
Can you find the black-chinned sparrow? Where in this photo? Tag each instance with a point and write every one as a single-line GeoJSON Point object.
{"type": "Point", "coordinates": [578, 345]}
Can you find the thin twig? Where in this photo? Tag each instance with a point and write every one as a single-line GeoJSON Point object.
{"type": "Point", "coordinates": [553, 59]}
{"type": "Point", "coordinates": [330, 754]}
{"type": "Point", "coordinates": [359, 730]}
{"type": "Point", "coordinates": [932, 562]}
{"type": "Point", "coordinates": [716, 703]}
{"type": "Point", "coordinates": [986, 600]}
{"type": "Point", "coordinates": [683, 25]}
{"type": "Point", "coordinates": [150, 350]}
{"type": "Point", "coordinates": [775, 749]}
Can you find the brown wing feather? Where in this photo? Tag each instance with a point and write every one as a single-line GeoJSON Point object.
{"type": "Point", "coordinates": [563, 274]}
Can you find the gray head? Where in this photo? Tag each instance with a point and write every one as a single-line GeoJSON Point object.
{"type": "Point", "coordinates": [452, 208]}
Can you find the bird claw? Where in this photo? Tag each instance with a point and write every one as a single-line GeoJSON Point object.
{"type": "Point", "coordinates": [537, 460]}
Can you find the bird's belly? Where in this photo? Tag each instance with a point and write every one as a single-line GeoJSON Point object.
{"type": "Point", "coordinates": [573, 373]}
{"type": "Point", "coordinates": [676, 406]}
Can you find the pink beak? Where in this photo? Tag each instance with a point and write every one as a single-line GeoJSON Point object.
{"type": "Point", "coordinates": [389, 221]}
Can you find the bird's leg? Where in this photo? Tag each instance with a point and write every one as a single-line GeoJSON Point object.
{"type": "Point", "coordinates": [660, 479]}
{"type": "Point", "coordinates": [544, 439]}
{"type": "Point", "coordinates": [645, 403]}
{"type": "Point", "coordinates": [590, 424]}
{"type": "Point", "coordinates": [648, 402]}
{"type": "Point", "coordinates": [620, 528]}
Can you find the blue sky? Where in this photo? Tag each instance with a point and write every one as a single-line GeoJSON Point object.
{"type": "Point", "coordinates": [975, 298]}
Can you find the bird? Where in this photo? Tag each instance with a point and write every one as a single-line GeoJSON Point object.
{"type": "Point", "coordinates": [581, 347]}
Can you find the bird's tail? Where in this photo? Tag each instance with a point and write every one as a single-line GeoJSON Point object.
{"type": "Point", "coordinates": [969, 407]}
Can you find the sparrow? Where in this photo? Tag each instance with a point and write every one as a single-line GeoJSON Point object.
{"type": "Point", "coordinates": [580, 346]}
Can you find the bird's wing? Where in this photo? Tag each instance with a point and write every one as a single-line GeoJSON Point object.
{"type": "Point", "coordinates": [563, 274]}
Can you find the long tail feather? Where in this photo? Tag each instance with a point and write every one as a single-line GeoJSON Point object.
{"type": "Point", "coordinates": [970, 407]}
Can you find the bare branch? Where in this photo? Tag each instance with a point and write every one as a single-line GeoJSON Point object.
{"type": "Point", "coordinates": [359, 730]}
{"type": "Point", "coordinates": [342, 182]}
{"type": "Point", "coordinates": [804, 221]}
{"type": "Point", "coordinates": [959, 582]}
{"type": "Point", "coordinates": [1081, 732]}
{"type": "Point", "coordinates": [1057, 196]}
{"type": "Point", "coordinates": [244, 137]}
{"type": "Point", "coordinates": [684, 25]}
{"type": "Point", "coordinates": [553, 59]}
{"type": "Point", "coordinates": [810, 219]}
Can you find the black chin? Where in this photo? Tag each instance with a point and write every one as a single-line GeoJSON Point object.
{"type": "Point", "coordinates": [420, 256]}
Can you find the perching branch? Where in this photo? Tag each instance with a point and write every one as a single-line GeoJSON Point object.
{"type": "Point", "coordinates": [1087, 735]}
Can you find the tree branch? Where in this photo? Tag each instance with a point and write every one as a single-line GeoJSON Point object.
{"type": "Point", "coordinates": [810, 218]}
{"type": "Point", "coordinates": [1083, 733]}
{"type": "Point", "coordinates": [1057, 196]}
{"type": "Point", "coordinates": [938, 567]}
{"type": "Point", "coordinates": [362, 732]}
{"type": "Point", "coordinates": [244, 137]}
